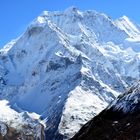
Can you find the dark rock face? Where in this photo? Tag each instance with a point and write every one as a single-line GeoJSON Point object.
{"type": "Point", "coordinates": [107, 126]}
{"type": "Point", "coordinates": [113, 124]}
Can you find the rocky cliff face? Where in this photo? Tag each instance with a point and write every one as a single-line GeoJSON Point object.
{"type": "Point", "coordinates": [120, 121]}
{"type": "Point", "coordinates": [68, 66]}
{"type": "Point", "coordinates": [27, 132]}
{"type": "Point", "coordinates": [15, 126]}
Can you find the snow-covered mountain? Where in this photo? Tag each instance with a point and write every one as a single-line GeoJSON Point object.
{"type": "Point", "coordinates": [68, 66]}
{"type": "Point", "coordinates": [120, 120]}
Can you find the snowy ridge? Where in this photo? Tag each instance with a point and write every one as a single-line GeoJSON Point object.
{"type": "Point", "coordinates": [124, 23]}
{"type": "Point", "coordinates": [127, 25]}
{"type": "Point", "coordinates": [129, 101]}
{"type": "Point", "coordinates": [67, 67]}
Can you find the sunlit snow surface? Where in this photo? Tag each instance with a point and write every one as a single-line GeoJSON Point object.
{"type": "Point", "coordinates": [13, 119]}
{"type": "Point", "coordinates": [8, 115]}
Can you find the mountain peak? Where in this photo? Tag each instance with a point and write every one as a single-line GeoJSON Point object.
{"type": "Point", "coordinates": [124, 17]}
{"type": "Point", "coordinates": [128, 26]}
{"type": "Point", "coordinates": [72, 9]}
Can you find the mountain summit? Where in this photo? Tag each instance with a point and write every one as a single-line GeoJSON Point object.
{"type": "Point", "coordinates": [68, 66]}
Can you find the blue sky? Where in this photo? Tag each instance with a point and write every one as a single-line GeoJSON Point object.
{"type": "Point", "coordinates": [17, 14]}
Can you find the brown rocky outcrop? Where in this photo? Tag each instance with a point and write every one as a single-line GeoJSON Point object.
{"type": "Point", "coordinates": [26, 133]}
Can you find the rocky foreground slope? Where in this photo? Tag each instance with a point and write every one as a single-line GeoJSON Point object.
{"type": "Point", "coordinates": [120, 121]}
{"type": "Point", "coordinates": [19, 126]}
{"type": "Point", "coordinates": [68, 66]}
{"type": "Point", "coordinates": [25, 133]}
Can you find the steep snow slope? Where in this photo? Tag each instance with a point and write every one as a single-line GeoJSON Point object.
{"type": "Point", "coordinates": [67, 67]}
{"type": "Point", "coordinates": [124, 23]}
